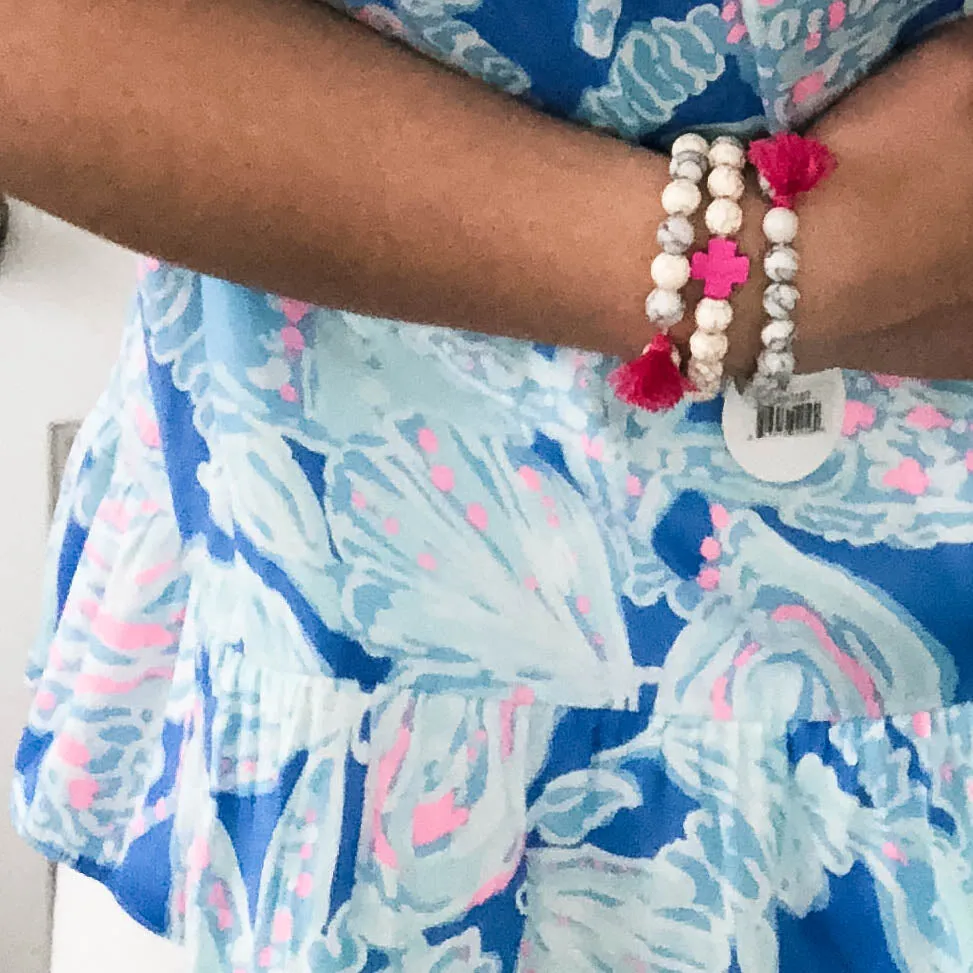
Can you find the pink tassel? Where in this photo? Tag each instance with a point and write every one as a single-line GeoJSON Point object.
{"type": "Point", "coordinates": [653, 380]}
{"type": "Point", "coordinates": [792, 165]}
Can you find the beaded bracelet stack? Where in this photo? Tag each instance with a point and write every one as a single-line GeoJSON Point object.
{"type": "Point", "coordinates": [788, 166]}
{"type": "Point", "coordinates": [680, 199]}
{"type": "Point", "coordinates": [776, 362]}
{"type": "Point", "coordinates": [653, 381]}
{"type": "Point", "coordinates": [721, 268]}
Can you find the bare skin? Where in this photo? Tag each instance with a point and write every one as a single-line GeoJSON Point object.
{"type": "Point", "coordinates": [888, 242]}
{"type": "Point", "coordinates": [304, 155]}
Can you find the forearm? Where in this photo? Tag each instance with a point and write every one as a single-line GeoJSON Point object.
{"type": "Point", "coordinates": [282, 146]}
{"type": "Point", "coordinates": [888, 241]}
{"type": "Point", "coordinates": [934, 346]}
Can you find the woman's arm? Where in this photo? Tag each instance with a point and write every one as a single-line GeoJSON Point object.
{"type": "Point", "coordinates": [936, 345]}
{"type": "Point", "coordinates": [887, 242]}
{"type": "Point", "coordinates": [281, 145]}
{"type": "Point", "coordinates": [278, 144]}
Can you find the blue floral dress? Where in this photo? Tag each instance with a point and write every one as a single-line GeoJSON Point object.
{"type": "Point", "coordinates": [372, 647]}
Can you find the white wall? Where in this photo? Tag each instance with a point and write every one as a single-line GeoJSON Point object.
{"type": "Point", "coordinates": [93, 935]}
{"type": "Point", "coordinates": [64, 295]}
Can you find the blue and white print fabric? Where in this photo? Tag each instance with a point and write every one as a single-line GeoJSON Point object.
{"type": "Point", "coordinates": [371, 646]}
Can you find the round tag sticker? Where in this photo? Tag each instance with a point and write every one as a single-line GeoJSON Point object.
{"type": "Point", "coordinates": [787, 439]}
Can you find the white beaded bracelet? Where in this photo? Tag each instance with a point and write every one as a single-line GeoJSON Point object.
{"type": "Point", "coordinates": [654, 380]}
{"type": "Point", "coordinates": [775, 364]}
{"type": "Point", "coordinates": [788, 166]}
{"type": "Point", "coordinates": [721, 268]}
{"type": "Point", "coordinates": [680, 199]}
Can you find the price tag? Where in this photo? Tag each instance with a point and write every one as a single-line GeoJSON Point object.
{"type": "Point", "coordinates": [787, 437]}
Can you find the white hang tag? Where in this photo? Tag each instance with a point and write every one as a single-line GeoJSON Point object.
{"type": "Point", "coordinates": [787, 437]}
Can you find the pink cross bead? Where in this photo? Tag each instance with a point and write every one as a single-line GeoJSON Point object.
{"type": "Point", "coordinates": [721, 268]}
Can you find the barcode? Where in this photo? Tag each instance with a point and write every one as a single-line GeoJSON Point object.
{"type": "Point", "coordinates": [795, 420]}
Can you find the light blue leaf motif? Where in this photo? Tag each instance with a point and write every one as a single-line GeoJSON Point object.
{"type": "Point", "coordinates": [104, 678]}
{"type": "Point", "coordinates": [768, 833]}
{"type": "Point", "coordinates": [502, 374]}
{"type": "Point", "coordinates": [88, 472]}
{"type": "Point", "coordinates": [94, 453]}
{"type": "Point", "coordinates": [232, 375]}
{"type": "Point", "coordinates": [563, 395]}
{"type": "Point", "coordinates": [587, 909]}
{"type": "Point", "coordinates": [338, 949]}
{"type": "Point", "coordinates": [208, 891]}
{"type": "Point", "coordinates": [434, 27]}
{"type": "Point", "coordinates": [369, 365]}
{"type": "Point", "coordinates": [250, 613]}
{"type": "Point", "coordinates": [261, 721]}
{"type": "Point", "coordinates": [786, 636]}
{"type": "Point", "coordinates": [594, 28]}
{"type": "Point", "coordinates": [923, 871]}
{"type": "Point", "coordinates": [811, 831]}
{"type": "Point", "coordinates": [784, 830]}
{"type": "Point", "coordinates": [295, 890]}
{"type": "Point", "coordinates": [810, 54]}
{"type": "Point", "coordinates": [943, 743]}
{"type": "Point", "coordinates": [210, 946]}
{"type": "Point", "coordinates": [657, 67]}
{"type": "Point", "coordinates": [256, 487]}
{"type": "Point", "coordinates": [575, 804]}
{"type": "Point", "coordinates": [460, 954]}
{"type": "Point", "coordinates": [629, 498]}
{"type": "Point", "coordinates": [170, 315]}
{"type": "Point", "coordinates": [471, 563]}
{"type": "Point", "coordinates": [293, 716]}
{"type": "Point", "coordinates": [444, 823]}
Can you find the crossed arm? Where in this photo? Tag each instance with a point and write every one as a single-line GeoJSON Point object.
{"type": "Point", "coordinates": [280, 145]}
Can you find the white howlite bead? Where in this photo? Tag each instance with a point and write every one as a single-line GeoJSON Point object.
{"type": "Point", "coordinates": [781, 264]}
{"type": "Point", "coordinates": [676, 234]}
{"type": "Point", "coordinates": [670, 271]}
{"type": "Point", "coordinates": [681, 198]}
{"type": "Point", "coordinates": [705, 371]}
{"type": "Point", "coordinates": [725, 182]}
{"type": "Point", "coordinates": [708, 347]}
{"type": "Point", "coordinates": [707, 383]}
{"type": "Point", "coordinates": [780, 300]}
{"type": "Point", "coordinates": [711, 367]}
{"type": "Point", "coordinates": [689, 165]}
{"type": "Point", "coordinates": [713, 316]}
{"type": "Point", "coordinates": [727, 151]}
{"type": "Point", "coordinates": [765, 186]}
{"type": "Point", "coordinates": [707, 379]}
{"type": "Point", "coordinates": [777, 335]}
{"type": "Point", "coordinates": [664, 309]}
{"type": "Point", "coordinates": [724, 217]}
{"type": "Point", "coordinates": [780, 225]}
{"type": "Point", "coordinates": [690, 142]}
{"type": "Point", "coordinates": [776, 364]}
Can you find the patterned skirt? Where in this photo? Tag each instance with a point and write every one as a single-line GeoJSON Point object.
{"type": "Point", "coordinates": [376, 648]}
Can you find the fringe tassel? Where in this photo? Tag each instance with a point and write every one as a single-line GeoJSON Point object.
{"type": "Point", "coordinates": [791, 165]}
{"type": "Point", "coordinates": [653, 380]}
